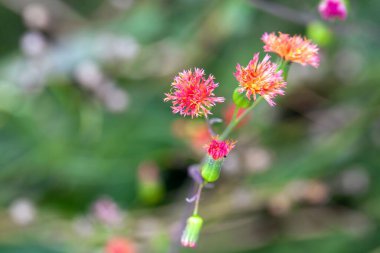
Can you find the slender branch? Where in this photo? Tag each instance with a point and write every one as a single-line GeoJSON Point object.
{"type": "Point", "coordinates": [229, 127]}
{"type": "Point", "coordinates": [284, 12]}
{"type": "Point", "coordinates": [236, 112]}
{"type": "Point", "coordinates": [198, 198]}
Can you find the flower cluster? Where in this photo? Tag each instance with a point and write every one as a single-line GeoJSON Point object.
{"type": "Point", "coordinates": [192, 95]}
{"type": "Point", "coordinates": [292, 48]}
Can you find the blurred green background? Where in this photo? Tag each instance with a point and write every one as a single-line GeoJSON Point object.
{"type": "Point", "coordinates": [89, 151]}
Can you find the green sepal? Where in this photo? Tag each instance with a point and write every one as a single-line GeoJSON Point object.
{"type": "Point", "coordinates": [211, 169]}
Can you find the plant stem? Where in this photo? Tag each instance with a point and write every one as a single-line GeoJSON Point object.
{"type": "Point", "coordinates": [236, 111]}
{"type": "Point", "coordinates": [236, 121]}
{"type": "Point", "coordinates": [284, 66]}
{"type": "Point", "coordinates": [199, 192]}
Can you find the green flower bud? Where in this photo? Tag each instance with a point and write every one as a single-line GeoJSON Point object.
{"type": "Point", "coordinates": [240, 99]}
{"type": "Point", "coordinates": [191, 233]}
{"type": "Point", "coordinates": [211, 169]}
{"type": "Point", "coordinates": [319, 33]}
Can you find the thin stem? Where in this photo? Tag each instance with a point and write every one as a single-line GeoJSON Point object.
{"type": "Point", "coordinates": [236, 121]}
{"type": "Point", "coordinates": [236, 111]}
{"type": "Point", "coordinates": [284, 66]}
{"type": "Point", "coordinates": [230, 125]}
{"type": "Point", "coordinates": [198, 198]}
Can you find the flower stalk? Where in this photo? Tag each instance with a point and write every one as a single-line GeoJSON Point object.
{"type": "Point", "coordinates": [192, 95]}
{"type": "Point", "coordinates": [198, 198]}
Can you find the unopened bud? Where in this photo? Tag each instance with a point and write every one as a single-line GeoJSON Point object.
{"type": "Point", "coordinates": [319, 33]}
{"type": "Point", "coordinates": [211, 169]}
{"type": "Point", "coordinates": [192, 230]}
{"type": "Point", "coordinates": [240, 99]}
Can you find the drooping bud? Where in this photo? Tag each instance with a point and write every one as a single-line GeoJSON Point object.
{"type": "Point", "coordinates": [240, 99]}
{"type": "Point", "coordinates": [211, 169]}
{"type": "Point", "coordinates": [192, 230]}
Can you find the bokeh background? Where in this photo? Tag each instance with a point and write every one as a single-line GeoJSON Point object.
{"type": "Point", "coordinates": [90, 154]}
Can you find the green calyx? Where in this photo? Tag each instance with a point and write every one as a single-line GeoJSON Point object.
{"type": "Point", "coordinates": [211, 169]}
{"type": "Point", "coordinates": [240, 99]}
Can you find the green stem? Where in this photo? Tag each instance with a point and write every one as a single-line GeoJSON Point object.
{"type": "Point", "coordinates": [236, 111]}
{"type": "Point", "coordinates": [236, 121]}
{"type": "Point", "coordinates": [230, 125]}
{"type": "Point", "coordinates": [284, 66]}
{"type": "Point", "coordinates": [199, 192]}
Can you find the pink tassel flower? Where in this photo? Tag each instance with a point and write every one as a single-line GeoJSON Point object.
{"type": "Point", "coordinates": [292, 48]}
{"type": "Point", "coordinates": [192, 93]}
{"type": "Point", "coordinates": [218, 149]}
{"type": "Point", "coordinates": [261, 78]}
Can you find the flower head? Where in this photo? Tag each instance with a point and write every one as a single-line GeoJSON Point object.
{"type": "Point", "coordinates": [261, 78]}
{"type": "Point", "coordinates": [332, 9]}
{"type": "Point", "coordinates": [295, 49]}
{"type": "Point", "coordinates": [218, 149]}
{"type": "Point", "coordinates": [192, 93]}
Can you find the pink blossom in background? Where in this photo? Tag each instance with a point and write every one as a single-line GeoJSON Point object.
{"type": "Point", "coordinates": [333, 9]}
{"type": "Point", "coordinates": [120, 245]}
